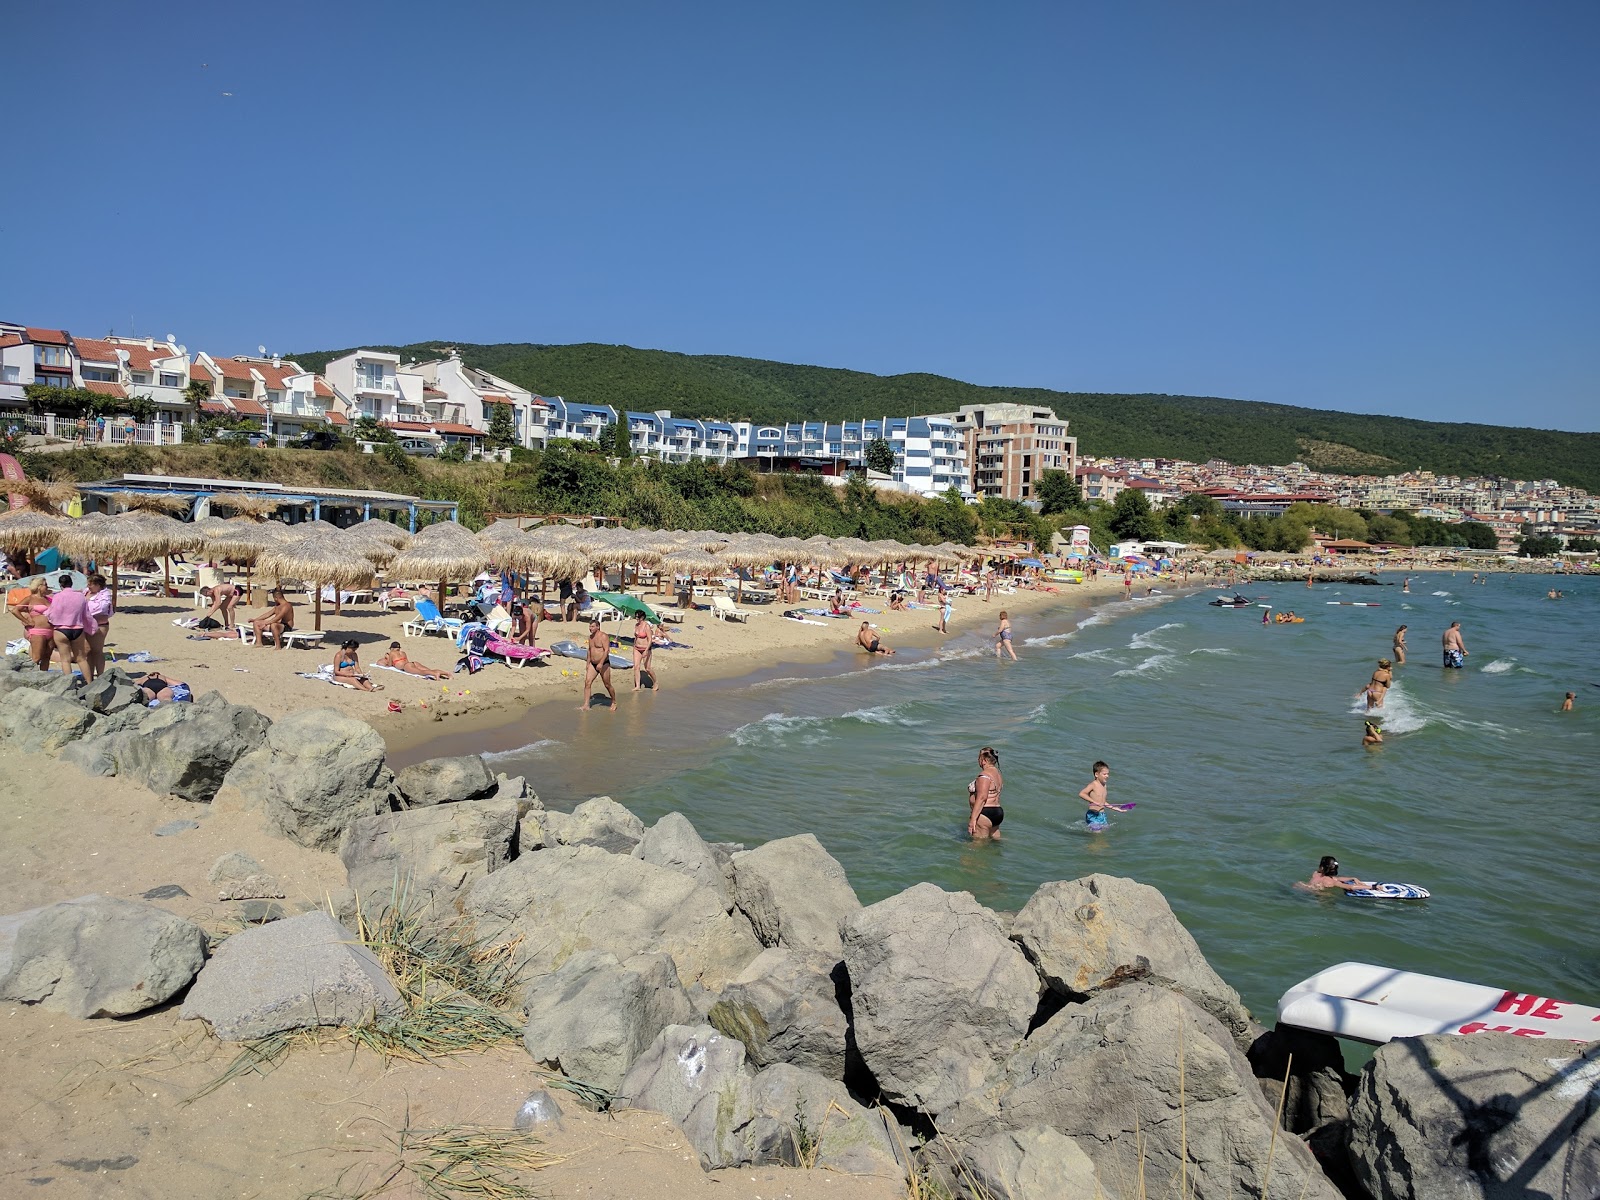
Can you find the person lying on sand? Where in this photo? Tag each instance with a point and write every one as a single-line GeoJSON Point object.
{"type": "Point", "coordinates": [869, 641]}
{"type": "Point", "coordinates": [156, 688]}
{"type": "Point", "coordinates": [400, 661]}
{"type": "Point", "coordinates": [347, 669]}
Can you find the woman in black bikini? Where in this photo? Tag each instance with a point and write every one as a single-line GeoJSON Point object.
{"type": "Point", "coordinates": [983, 793]}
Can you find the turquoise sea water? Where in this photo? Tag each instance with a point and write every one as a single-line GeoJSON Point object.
{"type": "Point", "coordinates": [1239, 744]}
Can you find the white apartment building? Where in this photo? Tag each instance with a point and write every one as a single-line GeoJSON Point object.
{"type": "Point", "coordinates": [369, 380]}
{"type": "Point", "coordinates": [469, 394]}
{"type": "Point", "coordinates": [278, 392]}
{"type": "Point", "coordinates": [124, 366]}
{"type": "Point", "coordinates": [30, 355]}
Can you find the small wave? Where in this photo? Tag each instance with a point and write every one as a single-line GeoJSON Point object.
{"type": "Point", "coordinates": [1034, 713]}
{"type": "Point", "coordinates": [774, 728]}
{"type": "Point", "coordinates": [1441, 593]}
{"type": "Point", "coordinates": [882, 715]}
{"type": "Point", "coordinates": [1499, 666]}
{"type": "Point", "coordinates": [1213, 650]}
{"type": "Point", "coordinates": [1398, 714]}
{"type": "Point", "coordinates": [1054, 639]}
{"type": "Point", "coordinates": [540, 749]}
{"type": "Point", "coordinates": [1095, 654]}
{"type": "Point", "coordinates": [925, 664]}
{"type": "Point", "coordinates": [1160, 664]}
{"type": "Point", "coordinates": [1146, 640]}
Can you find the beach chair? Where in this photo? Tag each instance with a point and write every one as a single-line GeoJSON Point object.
{"type": "Point", "coordinates": [303, 639]}
{"type": "Point", "coordinates": [430, 620]}
{"type": "Point", "coordinates": [724, 609]}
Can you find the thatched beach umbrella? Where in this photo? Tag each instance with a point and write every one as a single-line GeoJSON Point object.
{"type": "Point", "coordinates": [28, 530]}
{"type": "Point", "coordinates": [247, 504]}
{"type": "Point", "coordinates": [689, 561]}
{"type": "Point", "coordinates": [387, 531]}
{"type": "Point", "coordinates": [321, 557]}
{"type": "Point", "coordinates": [443, 551]}
{"type": "Point", "coordinates": [243, 540]}
{"type": "Point", "coordinates": [150, 502]}
{"type": "Point", "coordinates": [132, 535]}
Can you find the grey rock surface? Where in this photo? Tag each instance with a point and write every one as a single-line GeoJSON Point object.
{"type": "Point", "coordinates": [1491, 1116]}
{"type": "Point", "coordinates": [696, 1077]}
{"type": "Point", "coordinates": [111, 692]}
{"type": "Point", "coordinates": [431, 854]}
{"type": "Point", "coordinates": [795, 894]}
{"type": "Point", "coordinates": [186, 750]}
{"type": "Point", "coordinates": [785, 1008]}
{"type": "Point", "coordinates": [570, 898]}
{"type": "Point", "coordinates": [97, 956]}
{"type": "Point", "coordinates": [1107, 1074]}
{"type": "Point", "coordinates": [672, 842]}
{"type": "Point", "coordinates": [34, 720]}
{"type": "Point", "coordinates": [531, 832]}
{"type": "Point", "coordinates": [291, 974]}
{"type": "Point", "coordinates": [174, 828]}
{"type": "Point", "coordinates": [940, 994]}
{"type": "Point", "coordinates": [1102, 931]}
{"type": "Point", "coordinates": [1036, 1163]}
{"type": "Point", "coordinates": [817, 1123]}
{"type": "Point", "coordinates": [240, 877]}
{"type": "Point", "coordinates": [445, 781]}
{"type": "Point", "coordinates": [593, 1016]}
{"type": "Point", "coordinates": [600, 822]}
{"type": "Point", "coordinates": [93, 755]}
{"type": "Point", "coordinates": [317, 773]}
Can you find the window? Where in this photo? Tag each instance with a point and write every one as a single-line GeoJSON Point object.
{"type": "Point", "coordinates": [10, 374]}
{"type": "Point", "coordinates": [142, 378]}
{"type": "Point", "coordinates": [99, 375]}
{"type": "Point", "coordinates": [171, 379]}
{"type": "Point", "coordinates": [55, 381]}
{"type": "Point", "coordinates": [50, 356]}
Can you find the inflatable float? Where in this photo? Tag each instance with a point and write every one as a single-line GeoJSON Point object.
{"type": "Point", "coordinates": [1378, 1004]}
{"type": "Point", "coordinates": [1389, 891]}
{"type": "Point", "coordinates": [574, 650]}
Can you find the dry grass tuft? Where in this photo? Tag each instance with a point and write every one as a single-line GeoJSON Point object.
{"type": "Point", "coordinates": [459, 1162]}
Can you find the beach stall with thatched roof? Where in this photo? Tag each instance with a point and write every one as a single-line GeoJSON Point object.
{"type": "Point", "coordinates": [443, 551]}
{"type": "Point", "coordinates": [320, 557]}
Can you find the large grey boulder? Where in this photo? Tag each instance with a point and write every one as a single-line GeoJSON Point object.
{"type": "Point", "coordinates": [431, 854]}
{"type": "Point", "coordinates": [1317, 1091]}
{"type": "Point", "coordinates": [291, 974]}
{"type": "Point", "coordinates": [317, 773]}
{"type": "Point", "coordinates": [816, 1123]}
{"type": "Point", "coordinates": [240, 877]}
{"type": "Point", "coordinates": [97, 956]}
{"type": "Point", "coordinates": [569, 898]}
{"type": "Point", "coordinates": [673, 842]}
{"type": "Point", "coordinates": [445, 781]}
{"type": "Point", "coordinates": [696, 1077]}
{"type": "Point", "coordinates": [593, 1016]}
{"type": "Point", "coordinates": [600, 822]}
{"type": "Point", "coordinates": [785, 1008]}
{"type": "Point", "coordinates": [1102, 931]}
{"type": "Point", "coordinates": [1491, 1116]}
{"type": "Point", "coordinates": [1036, 1163]}
{"type": "Point", "coordinates": [940, 994]}
{"type": "Point", "coordinates": [1141, 1079]}
{"type": "Point", "coordinates": [795, 894]}
{"type": "Point", "coordinates": [111, 692]}
{"type": "Point", "coordinates": [187, 750]}
{"type": "Point", "coordinates": [35, 720]}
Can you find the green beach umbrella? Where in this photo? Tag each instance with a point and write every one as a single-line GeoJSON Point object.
{"type": "Point", "coordinates": [631, 605]}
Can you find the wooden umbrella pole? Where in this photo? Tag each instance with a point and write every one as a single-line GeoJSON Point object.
{"type": "Point", "coordinates": [318, 605]}
{"type": "Point", "coordinates": [113, 587]}
{"type": "Point", "coordinates": [166, 574]}
{"type": "Point", "coordinates": [249, 587]}
{"type": "Point", "coordinates": [441, 597]}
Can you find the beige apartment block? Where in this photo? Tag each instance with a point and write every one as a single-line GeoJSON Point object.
{"type": "Point", "coordinates": [1010, 445]}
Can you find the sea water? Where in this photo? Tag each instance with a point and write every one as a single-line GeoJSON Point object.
{"type": "Point", "coordinates": [1239, 743]}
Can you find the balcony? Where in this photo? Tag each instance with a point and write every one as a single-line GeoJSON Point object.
{"type": "Point", "coordinates": [383, 384]}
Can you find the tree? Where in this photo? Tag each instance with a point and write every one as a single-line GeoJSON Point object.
{"type": "Point", "coordinates": [196, 393]}
{"type": "Point", "coordinates": [1538, 546]}
{"type": "Point", "coordinates": [1057, 492]}
{"type": "Point", "coordinates": [880, 457]}
{"type": "Point", "coordinates": [1583, 545]}
{"type": "Point", "coordinates": [502, 429]}
{"type": "Point", "coordinates": [370, 429]}
{"type": "Point", "coordinates": [1132, 520]}
{"type": "Point", "coordinates": [1479, 536]}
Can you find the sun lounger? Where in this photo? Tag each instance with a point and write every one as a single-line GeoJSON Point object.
{"type": "Point", "coordinates": [430, 620]}
{"type": "Point", "coordinates": [724, 609]}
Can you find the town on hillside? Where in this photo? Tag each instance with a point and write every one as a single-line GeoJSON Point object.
{"type": "Point", "coordinates": [58, 387]}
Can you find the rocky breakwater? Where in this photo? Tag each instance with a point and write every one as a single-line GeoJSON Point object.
{"type": "Point", "coordinates": [1080, 1047]}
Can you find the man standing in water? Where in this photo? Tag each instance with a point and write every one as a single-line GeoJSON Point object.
{"type": "Point", "coordinates": [1094, 795]}
{"type": "Point", "coordinates": [598, 665]}
{"type": "Point", "coordinates": [1455, 650]}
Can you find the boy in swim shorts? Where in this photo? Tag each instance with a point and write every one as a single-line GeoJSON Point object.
{"type": "Point", "coordinates": [1094, 795]}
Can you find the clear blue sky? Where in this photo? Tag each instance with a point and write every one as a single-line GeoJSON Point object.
{"type": "Point", "coordinates": [1371, 206]}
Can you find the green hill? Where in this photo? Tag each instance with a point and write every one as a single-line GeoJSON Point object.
{"type": "Point", "coordinates": [1188, 427]}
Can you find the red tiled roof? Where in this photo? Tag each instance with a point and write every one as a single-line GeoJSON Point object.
{"type": "Point", "coordinates": [429, 390]}
{"type": "Point", "coordinates": [323, 388]}
{"type": "Point", "coordinates": [10, 339]}
{"type": "Point", "coordinates": [48, 337]}
{"type": "Point", "coordinates": [94, 350]}
{"type": "Point", "coordinates": [495, 398]}
{"type": "Point", "coordinates": [409, 426]}
{"type": "Point", "coordinates": [140, 356]}
{"type": "Point", "coordinates": [215, 407]}
{"type": "Point", "coordinates": [105, 387]}
{"type": "Point", "coordinates": [199, 371]}
{"type": "Point", "coordinates": [248, 408]}
{"type": "Point", "coordinates": [460, 430]}
{"type": "Point", "coordinates": [337, 418]}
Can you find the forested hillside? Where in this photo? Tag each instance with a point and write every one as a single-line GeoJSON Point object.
{"type": "Point", "coordinates": [1189, 427]}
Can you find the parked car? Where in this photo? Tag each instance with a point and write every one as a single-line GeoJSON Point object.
{"type": "Point", "coordinates": [421, 447]}
{"type": "Point", "coordinates": [318, 439]}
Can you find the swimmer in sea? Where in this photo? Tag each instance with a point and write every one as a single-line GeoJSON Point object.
{"type": "Point", "coordinates": [1455, 650]}
{"type": "Point", "coordinates": [1002, 636]}
{"type": "Point", "coordinates": [1094, 796]}
{"type": "Point", "coordinates": [1327, 876]}
{"type": "Point", "coordinates": [1566, 705]}
{"type": "Point", "coordinates": [1400, 644]}
{"type": "Point", "coordinates": [983, 798]}
{"type": "Point", "coordinates": [1381, 679]}
{"type": "Point", "coordinates": [1407, 586]}
{"type": "Point", "coordinates": [1372, 736]}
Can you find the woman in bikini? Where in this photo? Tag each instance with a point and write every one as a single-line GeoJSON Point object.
{"type": "Point", "coordinates": [347, 669]}
{"type": "Point", "coordinates": [983, 797]}
{"type": "Point", "coordinates": [643, 645]}
{"type": "Point", "coordinates": [1378, 685]}
{"type": "Point", "coordinates": [1400, 644]}
{"type": "Point", "coordinates": [1002, 636]}
{"type": "Point", "coordinates": [30, 609]}
{"type": "Point", "coordinates": [400, 661]}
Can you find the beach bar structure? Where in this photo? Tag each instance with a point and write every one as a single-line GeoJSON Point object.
{"type": "Point", "coordinates": [347, 503]}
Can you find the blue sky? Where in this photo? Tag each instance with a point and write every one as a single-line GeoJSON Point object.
{"type": "Point", "coordinates": [1375, 207]}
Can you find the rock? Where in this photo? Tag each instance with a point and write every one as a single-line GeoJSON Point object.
{"type": "Point", "coordinates": [1319, 1089]}
{"type": "Point", "coordinates": [318, 771]}
{"type": "Point", "coordinates": [430, 853]}
{"type": "Point", "coordinates": [1102, 931]}
{"type": "Point", "coordinates": [445, 781]}
{"type": "Point", "coordinates": [35, 720]}
{"type": "Point", "coordinates": [673, 843]}
{"type": "Point", "coordinates": [291, 974]}
{"type": "Point", "coordinates": [540, 1108]}
{"type": "Point", "coordinates": [1036, 1163]}
{"type": "Point", "coordinates": [515, 787]}
{"type": "Point", "coordinates": [259, 912]}
{"type": "Point", "coordinates": [571, 898]}
{"type": "Point", "coordinates": [696, 1077]}
{"type": "Point", "coordinates": [531, 832]}
{"type": "Point", "coordinates": [186, 750]}
{"type": "Point", "coordinates": [112, 692]}
{"type": "Point", "coordinates": [940, 995]}
{"type": "Point", "coordinates": [98, 956]}
{"type": "Point", "coordinates": [785, 1008]}
{"type": "Point", "coordinates": [592, 1016]}
{"type": "Point", "coordinates": [795, 894]}
{"type": "Point", "coordinates": [240, 877]}
{"type": "Point", "coordinates": [94, 755]}
{"type": "Point", "coordinates": [1107, 1074]}
{"type": "Point", "coordinates": [600, 822]}
{"type": "Point", "coordinates": [819, 1125]}
{"type": "Point", "coordinates": [173, 828]}
{"type": "Point", "coordinates": [1491, 1115]}
{"type": "Point", "coordinates": [163, 891]}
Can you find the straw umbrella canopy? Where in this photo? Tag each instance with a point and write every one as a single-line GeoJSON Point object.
{"type": "Point", "coordinates": [28, 530]}
{"type": "Point", "coordinates": [689, 561]}
{"type": "Point", "coordinates": [131, 535]}
{"type": "Point", "coordinates": [388, 531]}
{"type": "Point", "coordinates": [662, 541]}
{"type": "Point", "coordinates": [442, 551]}
{"type": "Point", "coordinates": [322, 557]}
{"type": "Point", "coordinates": [247, 504]}
{"type": "Point", "coordinates": [45, 495]}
